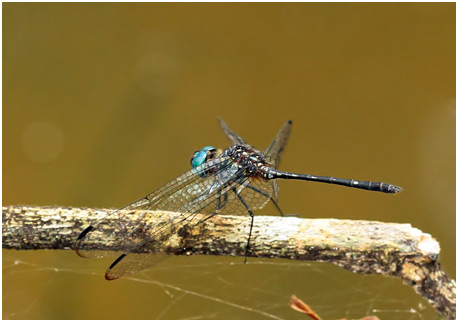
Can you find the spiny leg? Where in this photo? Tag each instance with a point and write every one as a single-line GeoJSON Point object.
{"type": "Point", "coordinates": [221, 203]}
{"type": "Point", "coordinates": [222, 198]}
{"type": "Point", "coordinates": [267, 195]}
{"type": "Point", "coordinates": [252, 221]}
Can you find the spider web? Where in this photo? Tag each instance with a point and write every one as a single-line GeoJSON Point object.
{"type": "Point", "coordinates": [59, 285]}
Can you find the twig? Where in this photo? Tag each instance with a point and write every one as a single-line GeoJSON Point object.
{"type": "Point", "coordinates": [360, 246]}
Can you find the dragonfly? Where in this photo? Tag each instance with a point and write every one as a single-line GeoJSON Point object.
{"type": "Point", "coordinates": [235, 181]}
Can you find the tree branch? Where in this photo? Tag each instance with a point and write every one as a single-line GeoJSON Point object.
{"type": "Point", "coordinates": [360, 246]}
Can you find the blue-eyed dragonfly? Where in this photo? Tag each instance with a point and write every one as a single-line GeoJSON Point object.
{"type": "Point", "coordinates": [237, 181]}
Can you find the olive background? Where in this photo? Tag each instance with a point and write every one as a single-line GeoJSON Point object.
{"type": "Point", "coordinates": [105, 102]}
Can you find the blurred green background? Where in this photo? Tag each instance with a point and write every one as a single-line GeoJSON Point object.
{"type": "Point", "coordinates": [103, 103]}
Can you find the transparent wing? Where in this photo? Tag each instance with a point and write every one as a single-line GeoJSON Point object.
{"type": "Point", "coordinates": [234, 138]}
{"type": "Point", "coordinates": [226, 198]}
{"type": "Point", "coordinates": [172, 196]}
{"type": "Point", "coordinates": [274, 151]}
{"type": "Point", "coordinates": [256, 192]}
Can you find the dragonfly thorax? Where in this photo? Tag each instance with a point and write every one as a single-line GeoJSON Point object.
{"type": "Point", "coordinates": [249, 159]}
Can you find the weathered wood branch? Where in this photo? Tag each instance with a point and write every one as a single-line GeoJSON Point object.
{"type": "Point", "coordinates": [360, 246]}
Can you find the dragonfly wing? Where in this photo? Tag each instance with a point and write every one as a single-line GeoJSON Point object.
{"type": "Point", "coordinates": [227, 198]}
{"type": "Point", "coordinates": [108, 229]}
{"type": "Point", "coordinates": [234, 138]}
{"type": "Point", "coordinates": [153, 248]}
{"type": "Point", "coordinates": [255, 192]}
{"type": "Point", "coordinates": [115, 229]}
{"type": "Point", "coordinates": [275, 149]}
{"type": "Point", "coordinates": [129, 263]}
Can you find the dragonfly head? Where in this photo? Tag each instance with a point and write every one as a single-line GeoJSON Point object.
{"type": "Point", "coordinates": [203, 155]}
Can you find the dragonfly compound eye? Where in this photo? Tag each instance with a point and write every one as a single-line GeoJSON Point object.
{"type": "Point", "coordinates": [201, 156]}
{"type": "Point", "coordinates": [193, 157]}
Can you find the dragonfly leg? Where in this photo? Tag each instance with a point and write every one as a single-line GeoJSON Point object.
{"type": "Point", "coordinates": [277, 206]}
{"type": "Point", "coordinates": [252, 221]}
{"type": "Point", "coordinates": [221, 203]}
{"type": "Point", "coordinates": [266, 195]}
{"type": "Point", "coordinates": [249, 236]}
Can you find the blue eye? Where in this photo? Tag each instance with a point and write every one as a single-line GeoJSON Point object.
{"type": "Point", "coordinates": [201, 156]}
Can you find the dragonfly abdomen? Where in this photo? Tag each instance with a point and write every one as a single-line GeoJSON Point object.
{"type": "Point", "coordinates": [359, 184]}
